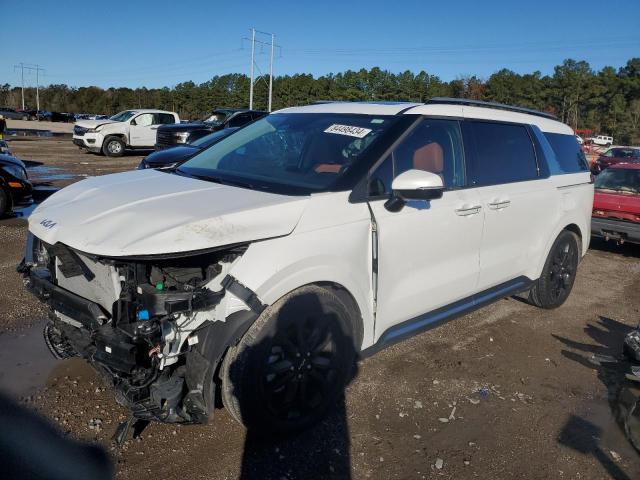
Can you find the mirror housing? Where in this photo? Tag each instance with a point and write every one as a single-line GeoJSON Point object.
{"type": "Point", "coordinates": [414, 185]}
{"type": "Point", "coordinates": [133, 122]}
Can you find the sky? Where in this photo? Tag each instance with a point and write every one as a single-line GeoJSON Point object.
{"type": "Point", "coordinates": [161, 43]}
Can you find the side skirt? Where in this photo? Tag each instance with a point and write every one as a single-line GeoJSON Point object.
{"type": "Point", "coordinates": [414, 326]}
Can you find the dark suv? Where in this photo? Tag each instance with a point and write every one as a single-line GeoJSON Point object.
{"type": "Point", "coordinates": [181, 133]}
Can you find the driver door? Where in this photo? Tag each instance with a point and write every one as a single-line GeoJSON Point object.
{"type": "Point", "coordinates": [142, 130]}
{"type": "Point", "coordinates": [428, 252]}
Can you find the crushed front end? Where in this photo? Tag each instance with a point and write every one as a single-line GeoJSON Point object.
{"type": "Point", "coordinates": [155, 328]}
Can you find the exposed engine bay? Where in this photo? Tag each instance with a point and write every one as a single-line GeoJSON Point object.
{"type": "Point", "coordinates": [156, 328]}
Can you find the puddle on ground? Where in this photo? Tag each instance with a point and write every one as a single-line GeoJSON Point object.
{"type": "Point", "coordinates": [25, 361]}
{"type": "Point", "coordinates": [42, 173]}
{"type": "Point", "coordinates": [34, 132]}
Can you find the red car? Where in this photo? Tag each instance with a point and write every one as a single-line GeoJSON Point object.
{"type": "Point", "coordinates": [615, 155]}
{"type": "Point", "coordinates": [616, 204]}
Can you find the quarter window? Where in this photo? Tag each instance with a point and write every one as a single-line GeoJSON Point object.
{"type": "Point", "coordinates": [569, 155]}
{"type": "Point", "coordinates": [434, 146]}
{"type": "Point", "coordinates": [503, 153]}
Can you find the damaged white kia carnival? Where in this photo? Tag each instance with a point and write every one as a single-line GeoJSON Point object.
{"type": "Point", "coordinates": [257, 272]}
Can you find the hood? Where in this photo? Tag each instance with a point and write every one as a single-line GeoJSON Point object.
{"type": "Point", "coordinates": [4, 158]}
{"type": "Point", "coordinates": [170, 155]}
{"type": "Point", "coordinates": [146, 212]}
{"type": "Point", "coordinates": [93, 123]}
{"type": "Point", "coordinates": [616, 205]}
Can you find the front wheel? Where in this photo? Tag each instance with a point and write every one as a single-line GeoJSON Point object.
{"type": "Point", "coordinates": [559, 273]}
{"type": "Point", "coordinates": [293, 363]}
{"type": "Point", "coordinates": [113, 147]}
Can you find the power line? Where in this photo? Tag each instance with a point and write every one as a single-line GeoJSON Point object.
{"type": "Point", "coordinates": [273, 46]}
{"type": "Point", "coordinates": [30, 67]}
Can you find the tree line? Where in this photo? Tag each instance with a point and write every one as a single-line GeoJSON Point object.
{"type": "Point", "coordinates": [605, 101]}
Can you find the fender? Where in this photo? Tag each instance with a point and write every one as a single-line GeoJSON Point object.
{"type": "Point", "coordinates": [567, 221]}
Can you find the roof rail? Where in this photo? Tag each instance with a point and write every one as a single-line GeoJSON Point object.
{"type": "Point", "coordinates": [480, 103]}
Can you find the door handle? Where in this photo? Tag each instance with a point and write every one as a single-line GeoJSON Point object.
{"type": "Point", "coordinates": [467, 210]}
{"type": "Point", "coordinates": [499, 204]}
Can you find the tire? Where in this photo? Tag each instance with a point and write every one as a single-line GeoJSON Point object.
{"type": "Point", "coordinates": [293, 363]}
{"type": "Point", "coordinates": [559, 273]}
{"type": "Point", "coordinates": [5, 203]}
{"type": "Point", "coordinates": [113, 147]}
{"type": "Point", "coordinates": [25, 117]}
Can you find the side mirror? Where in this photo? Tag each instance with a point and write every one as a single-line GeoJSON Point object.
{"type": "Point", "coordinates": [133, 122]}
{"type": "Point", "coordinates": [414, 185]}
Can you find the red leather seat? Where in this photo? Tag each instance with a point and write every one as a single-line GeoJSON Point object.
{"type": "Point", "coordinates": [429, 158]}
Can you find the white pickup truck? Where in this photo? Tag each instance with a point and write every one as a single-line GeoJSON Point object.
{"type": "Point", "coordinates": [130, 129]}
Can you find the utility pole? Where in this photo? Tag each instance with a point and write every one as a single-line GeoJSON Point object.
{"type": "Point", "coordinates": [37, 89]}
{"type": "Point", "coordinates": [254, 65]}
{"type": "Point", "coordinates": [21, 66]}
{"type": "Point", "coordinates": [253, 53]}
{"type": "Point", "coordinates": [273, 44]}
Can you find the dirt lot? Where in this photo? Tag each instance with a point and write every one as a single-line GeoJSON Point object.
{"type": "Point", "coordinates": [509, 391]}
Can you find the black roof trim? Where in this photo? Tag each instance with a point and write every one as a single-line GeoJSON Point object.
{"type": "Point", "coordinates": [495, 105]}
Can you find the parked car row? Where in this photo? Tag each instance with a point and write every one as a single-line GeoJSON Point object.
{"type": "Point", "coordinates": [143, 129]}
{"type": "Point", "coordinates": [44, 115]}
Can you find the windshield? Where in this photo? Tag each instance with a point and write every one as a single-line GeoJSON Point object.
{"type": "Point", "coordinates": [212, 138]}
{"type": "Point", "coordinates": [619, 180]}
{"type": "Point", "coordinates": [216, 118]}
{"type": "Point", "coordinates": [123, 116]}
{"type": "Point", "coordinates": [304, 152]}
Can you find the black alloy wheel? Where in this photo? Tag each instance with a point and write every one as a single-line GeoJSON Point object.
{"type": "Point", "coordinates": [300, 369]}
{"type": "Point", "coordinates": [559, 273]}
{"type": "Point", "coordinates": [292, 364]}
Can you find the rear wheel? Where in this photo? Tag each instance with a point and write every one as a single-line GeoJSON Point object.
{"type": "Point", "coordinates": [559, 272]}
{"type": "Point", "coordinates": [113, 147]}
{"type": "Point", "coordinates": [292, 364]}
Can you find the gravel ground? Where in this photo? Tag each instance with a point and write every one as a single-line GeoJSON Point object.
{"type": "Point", "coordinates": [509, 391]}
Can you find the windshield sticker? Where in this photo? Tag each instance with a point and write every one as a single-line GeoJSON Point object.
{"type": "Point", "coordinates": [348, 130]}
{"type": "Point", "coordinates": [377, 120]}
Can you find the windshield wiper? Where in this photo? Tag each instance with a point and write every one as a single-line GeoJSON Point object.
{"type": "Point", "coordinates": [221, 181]}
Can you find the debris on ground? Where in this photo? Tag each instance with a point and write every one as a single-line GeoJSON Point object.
{"type": "Point", "coordinates": [439, 463]}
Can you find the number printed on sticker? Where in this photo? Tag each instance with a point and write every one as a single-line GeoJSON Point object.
{"type": "Point", "coordinates": [348, 130]}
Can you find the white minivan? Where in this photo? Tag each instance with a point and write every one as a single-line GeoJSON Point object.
{"type": "Point", "coordinates": [260, 270]}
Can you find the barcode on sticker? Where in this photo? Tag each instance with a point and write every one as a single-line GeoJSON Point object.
{"type": "Point", "coordinates": [348, 130]}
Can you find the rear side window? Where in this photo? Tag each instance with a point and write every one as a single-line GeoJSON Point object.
{"type": "Point", "coordinates": [240, 120]}
{"type": "Point", "coordinates": [569, 155]}
{"type": "Point", "coordinates": [164, 119]}
{"type": "Point", "coordinates": [503, 153]}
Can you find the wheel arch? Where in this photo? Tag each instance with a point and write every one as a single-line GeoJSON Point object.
{"type": "Point", "coordinates": [347, 298]}
{"type": "Point", "coordinates": [573, 226]}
